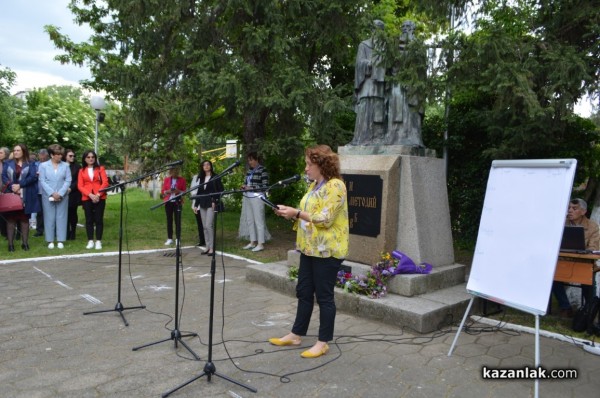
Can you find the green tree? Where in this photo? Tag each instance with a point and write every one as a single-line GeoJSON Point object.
{"type": "Point", "coordinates": [514, 83]}
{"type": "Point", "coordinates": [8, 108]}
{"type": "Point", "coordinates": [275, 69]}
{"type": "Point", "coordinates": [58, 115]}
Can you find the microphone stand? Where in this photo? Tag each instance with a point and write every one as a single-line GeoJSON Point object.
{"type": "Point", "coordinates": [176, 335]}
{"type": "Point", "coordinates": [210, 369]}
{"type": "Point", "coordinates": [119, 306]}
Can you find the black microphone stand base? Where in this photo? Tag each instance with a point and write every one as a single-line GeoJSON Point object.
{"type": "Point", "coordinates": [176, 336]}
{"type": "Point", "coordinates": [118, 308]}
{"type": "Point", "coordinates": [209, 371]}
{"type": "Point", "coordinates": [209, 368]}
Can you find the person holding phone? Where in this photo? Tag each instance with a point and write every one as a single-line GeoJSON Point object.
{"type": "Point", "coordinates": [323, 233]}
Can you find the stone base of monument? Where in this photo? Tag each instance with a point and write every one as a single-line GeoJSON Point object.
{"type": "Point", "coordinates": [397, 202]}
{"type": "Point", "coordinates": [420, 302]}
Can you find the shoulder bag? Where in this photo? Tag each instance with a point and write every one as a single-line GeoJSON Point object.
{"type": "Point", "coordinates": [10, 201]}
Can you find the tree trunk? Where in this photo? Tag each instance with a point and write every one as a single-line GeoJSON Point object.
{"type": "Point", "coordinates": [254, 127]}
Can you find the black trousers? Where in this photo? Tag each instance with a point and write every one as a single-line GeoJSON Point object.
{"type": "Point", "coordinates": [316, 276]}
{"type": "Point", "coordinates": [94, 216]}
{"type": "Point", "coordinates": [39, 219]}
{"type": "Point", "coordinates": [170, 209]}
{"type": "Point", "coordinates": [72, 220]}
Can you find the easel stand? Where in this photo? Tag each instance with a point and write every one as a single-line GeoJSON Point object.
{"type": "Point", "coordinates": [537, 342]}
{"type": "Point", "coordinates": [176, 335]}
{"type": "Point", "coordinates": [210, 369]}
{"type": "Point", "coordinates": [119, 306]}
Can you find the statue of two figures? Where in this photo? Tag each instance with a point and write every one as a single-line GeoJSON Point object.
{"type": "Point", "coordinates": [386, 114]}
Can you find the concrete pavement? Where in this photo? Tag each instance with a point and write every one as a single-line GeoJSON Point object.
{"type": "Point", "coordinates": [48, 348]}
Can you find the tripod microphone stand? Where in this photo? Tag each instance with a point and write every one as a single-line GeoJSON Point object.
{"type": "Point", "coordinates": [210, 369]}
{"type": "Point", "coordinates": [176, 335]}
{"type": "Point", "coordinates": [119, 306]}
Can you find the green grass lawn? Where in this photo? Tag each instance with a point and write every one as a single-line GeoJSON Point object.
{"type": "Point", "coordinates": [144, 228]}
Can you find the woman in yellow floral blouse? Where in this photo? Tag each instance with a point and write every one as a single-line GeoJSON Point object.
{"type": "Point", "coordinates": [322, 225]}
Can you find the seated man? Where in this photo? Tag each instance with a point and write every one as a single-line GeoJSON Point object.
{"type": "Point", "coordinates": [576, 216]}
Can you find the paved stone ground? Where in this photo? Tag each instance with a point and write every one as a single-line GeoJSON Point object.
{"type": "Point", "coordinates": [48, 348]}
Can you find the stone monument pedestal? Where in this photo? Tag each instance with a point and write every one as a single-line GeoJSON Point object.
{"type": "Point", "coordinates": [413, 203]}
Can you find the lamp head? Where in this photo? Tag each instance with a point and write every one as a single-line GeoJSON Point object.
{"type": "Point", "coordinates": [97, 103]}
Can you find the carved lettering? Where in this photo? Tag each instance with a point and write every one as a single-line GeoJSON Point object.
{"type": "Point", "coordinates": [364, 199]}
{"type": "Point", "coordinates": [361, 201]}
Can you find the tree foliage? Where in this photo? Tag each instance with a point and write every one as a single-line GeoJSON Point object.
{"type": "Point", "coordinates": [514, 82]}
{"type": "Point", "coordinates": [58, 115]}
{"type": "Point", "coordinates": [275, 69]}
{"type": "Point", "coordinates": [8, 108]}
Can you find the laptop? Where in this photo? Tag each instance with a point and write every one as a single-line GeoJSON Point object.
{"type": "Point", "coordinates": [573, 240]}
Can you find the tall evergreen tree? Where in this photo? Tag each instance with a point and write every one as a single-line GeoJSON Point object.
{"type": "Point", "coordinates": [266, 69]}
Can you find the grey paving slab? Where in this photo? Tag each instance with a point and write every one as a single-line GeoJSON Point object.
{"type": "Point", "coordinates": [48, 348]}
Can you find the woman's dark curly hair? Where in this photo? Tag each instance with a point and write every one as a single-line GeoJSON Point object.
{"type": "Point", "coordinates": [327, 160]}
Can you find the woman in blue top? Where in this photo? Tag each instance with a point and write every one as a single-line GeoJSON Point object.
{"type": "Point", "coordinates": [55, 180]}
{"type": "Point", "coordinates": [19, 176]}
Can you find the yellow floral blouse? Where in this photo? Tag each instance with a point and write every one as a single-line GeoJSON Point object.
{"type": "Point", "coordinates": [327, 234]}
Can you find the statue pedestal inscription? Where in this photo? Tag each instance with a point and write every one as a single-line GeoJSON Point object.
{"type": "Point", "coordinates": [397, 202]}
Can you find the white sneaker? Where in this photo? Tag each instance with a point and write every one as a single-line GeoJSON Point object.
{"type": "Point", "coordinates": [51, 245]}
{"type": "Point", "coordinates": [258, 248]}
{"type": "Point", "coordinates": [90, 244]}
{"type": "Point", "coordinates": [60, 245]}
{"type": "Point", "coordinates": [249, 246]}
{"type": "Point", "coordinates": [169, 242]}
{"type": "Point", "coordinates": [98, 245]}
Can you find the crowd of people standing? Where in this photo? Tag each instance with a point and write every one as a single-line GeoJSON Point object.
{"type": "Point", "coordinates": [53, 184]}
{"type": "Point", "coordinates": [51, 187]}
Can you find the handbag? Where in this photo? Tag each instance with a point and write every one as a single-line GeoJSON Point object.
{"type": "Point", "coordinates": [220, 207]}
{"type": "Point", "coordinates": [10, 202]}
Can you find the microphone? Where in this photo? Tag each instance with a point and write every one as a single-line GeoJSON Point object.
{"type": "Point", "coordinates": [268, 202]}
{"type": "Point", "coordinates": [173, 164]}
{"type": "Point", "coordinates": [231, 167]}
{"type": "Point", "coordinates": [288, 180]}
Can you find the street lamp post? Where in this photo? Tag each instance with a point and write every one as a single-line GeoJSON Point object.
{"type": "Point", "coordinates": [97, 104]}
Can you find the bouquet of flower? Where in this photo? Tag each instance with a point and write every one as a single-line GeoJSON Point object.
{"type": "Point", "coordinates": [374, 283]}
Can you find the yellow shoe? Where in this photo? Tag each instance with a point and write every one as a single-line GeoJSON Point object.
{"type": "Point", "coordinates": [308, 354]}
{"type": "Point", "coordinates": [279, 342]}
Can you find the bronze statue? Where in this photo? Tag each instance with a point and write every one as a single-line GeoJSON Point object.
{"type": "Point", "coordinates": [386, 114]}
{"type": "Point", "coordinates": [369, 89]}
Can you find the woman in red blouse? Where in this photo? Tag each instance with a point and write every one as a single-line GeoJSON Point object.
{"type": "Point", "coordinates": [172, 186]}
{"type": "Point", "coordinates": [92, 178]}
